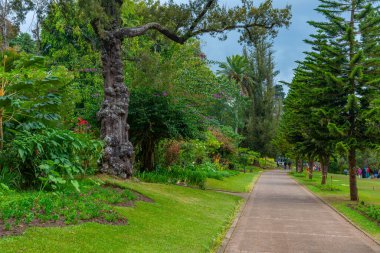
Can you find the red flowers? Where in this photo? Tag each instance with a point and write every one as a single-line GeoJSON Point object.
{"type": "Point", "coordinates": [82, 122]}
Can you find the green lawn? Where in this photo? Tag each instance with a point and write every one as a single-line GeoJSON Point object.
{"type": "Point", "coordinates": [369, 192]}
{"type": "Point", "coordinates": [181, 220]}
{"type": "Point", "coordinates": [242, 182]}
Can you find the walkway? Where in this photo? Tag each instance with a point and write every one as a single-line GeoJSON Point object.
{"type": "Point", "coordinates": [281, 216]}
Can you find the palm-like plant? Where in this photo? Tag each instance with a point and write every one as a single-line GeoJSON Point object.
{"type": "Point", "coordinates": [236, 69]}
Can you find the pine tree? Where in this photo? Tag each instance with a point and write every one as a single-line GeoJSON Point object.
{"type": "Point", "coordinates": [351, 31]}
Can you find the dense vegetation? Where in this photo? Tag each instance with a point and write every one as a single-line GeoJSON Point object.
{"type": "Point", "coordinates": [123, 88]}
{"type": "Point", "coordinates": [185, 123]}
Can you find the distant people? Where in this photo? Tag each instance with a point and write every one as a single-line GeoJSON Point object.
{"type": "Point", "coordinates": [368, 172]}
{"type": "Point", "coordinates": [375, 173]}
{"type": "Point", "coordinates": [360, 172]}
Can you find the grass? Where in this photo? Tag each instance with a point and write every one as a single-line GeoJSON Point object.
{"type": "Point", "coordinates": [69, 207]}
{"type": "Point", "coordinates": [337, 194]}
{"type": "Point", "coordinates": [180, 220]}
{"type": "Point", "coordinates": [242, 182]}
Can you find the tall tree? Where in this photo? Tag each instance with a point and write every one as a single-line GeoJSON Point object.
{"type": "Point", "coordinates": [260, 115]}
{"type": "Point", "coordinates": [347, 35]}
{"type": "Point", "coordinates": [178, 23]}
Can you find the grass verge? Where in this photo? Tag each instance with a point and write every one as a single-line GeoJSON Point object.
{"type": "Point", "coordinates": [242, 182]}
{"type": "Point", "coordinates": [336, 192]}
{"type": "Point", "coordinates": [180, 220]}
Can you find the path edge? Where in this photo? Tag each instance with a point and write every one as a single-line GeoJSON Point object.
{"type": "Point", "coordinates": [337, 211]}
{"type": "Point", "coordinates": [232, 228]}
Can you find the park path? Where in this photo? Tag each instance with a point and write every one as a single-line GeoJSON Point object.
{"type": "Point", "coordinates": [281, 216]}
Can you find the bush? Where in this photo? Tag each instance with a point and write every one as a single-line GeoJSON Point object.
{"type": "Point", "coordinates": [175, 175]}
{"type": "Point", "coordinates": [154, 116]}
{"type": "Point", "coordinates": [191, 175]}
{"type": "Point", "coordinates": [52, 157]}
{"type": "Point", "coordinates": [372, 211]}
{"type": "Point", "coordinates": [193, 152]}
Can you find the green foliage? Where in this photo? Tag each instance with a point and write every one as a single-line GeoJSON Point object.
{"type": "Point", "coordinates": [34, 97]}
{"type": "Point", "coordinates": [71, 42]}
{"type": "Point", "coordinates": [372, 211]}
{"type": "Point", "coordinates": [9, 177]}
{"type": "Point", "coordinates": [155, 115]}
{"type": "Point", "coordinates": [175, 175]}
{"type": "Point", "coordinates": [24, 42]}
{"type": "Point", "coordinates": [191, 175]}
{"type": "Point", "coordinates": [51, 158]}
{"type": "Point", "coordinates": [94, 203]}
{"type": "Point", "coordinates": [329, 103]}
{"type": "Point", "coordinates": [193, 151]}
{"type": "Point", "coordinates": [248, 157]}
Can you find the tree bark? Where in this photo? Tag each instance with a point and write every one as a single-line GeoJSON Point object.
{"type": "Point", "coordinates": [118, 151]}
{"type": "Point", "coordinates": [147, 154]}
{"type": "Point", "coordinates": [325, 163]}
{"type": "Point", "coordinates": [352, 164]}
{"type": "Point", "coordinates": [311, 165]}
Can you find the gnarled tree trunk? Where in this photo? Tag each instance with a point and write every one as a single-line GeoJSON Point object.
{"type": "Point", "coordinates": [118, 152]}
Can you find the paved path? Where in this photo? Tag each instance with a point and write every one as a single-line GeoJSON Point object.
{"type": "Point", "coordinates": [281, 216]}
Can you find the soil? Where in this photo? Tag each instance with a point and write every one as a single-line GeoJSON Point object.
{"type": "Point", "coordinates": [19, 229]}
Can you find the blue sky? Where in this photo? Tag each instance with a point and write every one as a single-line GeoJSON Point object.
{"type": "Point", "coordinates": [288, 46]}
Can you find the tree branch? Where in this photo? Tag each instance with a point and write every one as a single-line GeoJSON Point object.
{"type": "Point", "coordinates": [201, 15]}
{"type": "Point", "coordinates": [141, 30]}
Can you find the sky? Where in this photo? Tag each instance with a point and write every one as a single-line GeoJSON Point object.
{"type": "Point", "coordinates": [288, 45]}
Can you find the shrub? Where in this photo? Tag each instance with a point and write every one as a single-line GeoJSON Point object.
{"type": "Point", "coordinates": [175, 175]}
{"type": "Point", "coordinates": [193, 152]}
{"type": "Point", "coordinates": [191, 175]}
{"type": "Point", "coordinates": [154, 116]}
{"type": "Point", "coordinates": [372, 211]}
{"type": "Point", "coordinates": [52, 157]}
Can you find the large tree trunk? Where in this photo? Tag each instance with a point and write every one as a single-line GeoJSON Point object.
{"type": "Point", "coordinates": [311, 165]}
{"type": "Point", "coordinates": [352, 164]}
{"type": "Point", "coordinates": [147, 155]}
{"type": "Point", "coordinates": [118, 151]}
{"type": "Point", "coordinates": [325, 163]}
